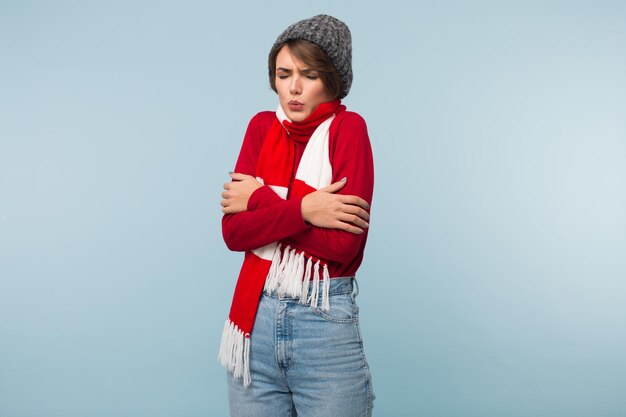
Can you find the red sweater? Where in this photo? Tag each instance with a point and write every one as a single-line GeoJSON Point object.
{"type": "Point", "coordinates": [269, 218]}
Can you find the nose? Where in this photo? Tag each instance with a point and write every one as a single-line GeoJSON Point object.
{"type": "Point", "coordinates": [296, 85]}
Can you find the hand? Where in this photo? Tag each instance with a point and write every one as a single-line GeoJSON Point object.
{"type": "Point", "coordinates": [237, 193]}
{"type": "Point", "coordinates": [325, 209]}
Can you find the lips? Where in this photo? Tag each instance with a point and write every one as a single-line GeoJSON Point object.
{"type": "Point", "coordinates": [295, 105]}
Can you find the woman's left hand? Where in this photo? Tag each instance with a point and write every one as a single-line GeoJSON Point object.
{"type": "Point", "coordinates": [237, 193]}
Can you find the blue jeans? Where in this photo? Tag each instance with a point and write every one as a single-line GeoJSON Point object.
{"type": "Point", "coordinates": [305, 362]}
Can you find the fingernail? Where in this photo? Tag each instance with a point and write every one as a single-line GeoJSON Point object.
{"type": "Point", "coordinates": [344, 179]}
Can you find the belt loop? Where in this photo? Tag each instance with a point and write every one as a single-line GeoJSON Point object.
{"type": "Point", "coordinates": [356, 288]}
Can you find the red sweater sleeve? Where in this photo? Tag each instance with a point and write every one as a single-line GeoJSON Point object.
{"type": "Point", "coordinates": [262, 223]}
{"type": "Point", "coordinates": [351, 157]}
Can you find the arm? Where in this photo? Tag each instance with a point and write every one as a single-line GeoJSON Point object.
{"type": "Point", "coordinates": [256, 216]}
{"type": "Point", "coordinates": [351, 157]}
{"type": "Point", "coordinates": [253, 228]}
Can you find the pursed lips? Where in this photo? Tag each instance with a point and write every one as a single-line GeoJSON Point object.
{"type": "Point", "coordinates": [295, 105]}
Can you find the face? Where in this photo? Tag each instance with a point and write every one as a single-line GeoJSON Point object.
{"type": "Point", "coordinates": [300, 89]}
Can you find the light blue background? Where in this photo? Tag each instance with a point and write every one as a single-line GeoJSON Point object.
{"type": "Point", "coordinates": [494, 282]}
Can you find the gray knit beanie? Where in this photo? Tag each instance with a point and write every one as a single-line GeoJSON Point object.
{"type": "Point", "coordinates": [330, 34]}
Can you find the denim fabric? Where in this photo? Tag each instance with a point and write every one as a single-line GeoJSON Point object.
{"type": "Point", "coordinates": [305, 362]}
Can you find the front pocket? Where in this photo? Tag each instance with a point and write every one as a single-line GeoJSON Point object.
{"type": "Point", "coordinates": [343, 309]}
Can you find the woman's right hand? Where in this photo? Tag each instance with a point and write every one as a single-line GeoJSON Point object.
{"type": "Point", "coordinates": [324, 208]}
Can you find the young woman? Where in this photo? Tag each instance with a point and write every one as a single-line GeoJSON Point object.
{"type": "Point", "coordinates": [298, 205]}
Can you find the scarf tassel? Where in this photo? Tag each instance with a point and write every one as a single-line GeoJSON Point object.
{"type": "Point", "coordinates": [292, 273]}
{"type": "Point", "coordinates": [235, 352]}
{"type": "Point", "coordinates": [326, 290]}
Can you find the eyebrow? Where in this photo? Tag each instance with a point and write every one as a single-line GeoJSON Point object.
{"type": "Point", "coordinates": [304, 71]}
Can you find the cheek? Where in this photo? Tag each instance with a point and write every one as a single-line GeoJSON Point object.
{"type": "Point", "coordinates": [320, 95]}
{"type": "Point", "coordinates": [280, 88]}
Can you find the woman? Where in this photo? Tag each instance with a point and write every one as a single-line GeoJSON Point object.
{"type": "Point", "coordinates": [298, 205]}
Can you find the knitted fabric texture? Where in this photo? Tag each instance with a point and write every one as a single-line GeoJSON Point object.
{"type": "Point", "coordinates": [330, 34]}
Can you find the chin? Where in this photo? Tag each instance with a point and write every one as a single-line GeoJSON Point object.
{"type": "Point", "coordinates": [296, 116]}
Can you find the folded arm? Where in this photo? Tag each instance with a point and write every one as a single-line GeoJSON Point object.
{"type": "Point", "coordinates": [328, 223]}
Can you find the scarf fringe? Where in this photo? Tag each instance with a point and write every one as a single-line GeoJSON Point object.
{"type": "Point", "coordinates": [292, 273]}
{"type": "Point", "coordinates": [234, 352]}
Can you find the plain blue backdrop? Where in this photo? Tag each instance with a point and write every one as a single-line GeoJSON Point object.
{"type": "Point", "coordinates": [494, 281]}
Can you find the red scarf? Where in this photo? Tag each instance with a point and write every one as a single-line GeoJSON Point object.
{"type": "Point", "coordinates": [277, 269]}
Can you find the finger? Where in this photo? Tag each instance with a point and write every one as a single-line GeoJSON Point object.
{"type": "Point", "coordinates": [227, 185]}
{"type": "Point", "coordinates": [348, 228]}
{"type": "Point", "coordinates": [225, 195]}
{"type": "Point", "coordinates": [354, 200]}
{"type": "Point", "coordinates": [228, 209]}
{"type": "Point", "coordinates": [236, 176]}
{"type": "Point", "coordinates": [224, 203]}
{"type": "Point", "coordinates": [354, 219]}
{"type": "Point", "coordinates": [336, 186]}
{"type": "Point", "coordinates": [348, 208]}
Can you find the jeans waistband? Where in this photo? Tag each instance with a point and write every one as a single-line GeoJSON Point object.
{"type": "Point", "coordinates": [339, 285]}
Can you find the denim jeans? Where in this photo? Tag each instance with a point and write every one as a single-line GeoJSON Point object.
{"type": "Point", "coordinates": [305, 362]}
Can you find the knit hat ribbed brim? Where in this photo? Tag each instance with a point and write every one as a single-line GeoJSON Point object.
{"type": "Point", "coordinates": [330, 34]}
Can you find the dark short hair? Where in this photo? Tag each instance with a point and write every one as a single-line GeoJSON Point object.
{"type": "Point", "coordinates": [315, 58]}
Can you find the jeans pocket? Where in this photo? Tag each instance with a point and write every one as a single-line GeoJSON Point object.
{"type": "Point", "coordinates": [343, 309]}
